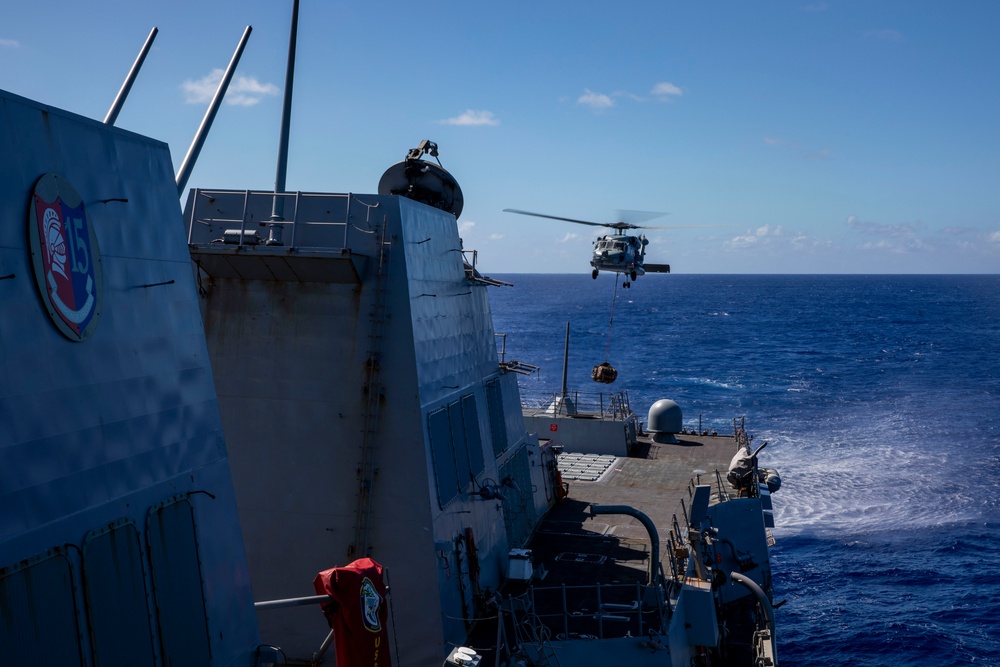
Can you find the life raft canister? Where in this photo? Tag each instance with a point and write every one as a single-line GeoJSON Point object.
{"type": "Point", "coordinates": [605, 373]}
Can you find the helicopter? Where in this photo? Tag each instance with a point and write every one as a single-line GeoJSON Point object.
{"type": "Point", "coordinates": [620, 252]}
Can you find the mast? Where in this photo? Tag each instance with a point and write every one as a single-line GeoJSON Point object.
{"type": "Point", "coordinates": [278, 202]}
{"type": "Point", "coordinates": [116, 106]}
{"type": "Point", "coordinates": [565, 362]}
{"type": "Point", "coordinates": [206, 123]}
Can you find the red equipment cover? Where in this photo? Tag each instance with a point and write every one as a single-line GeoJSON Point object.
{"type": "Point", "coordinates": [357, 613]}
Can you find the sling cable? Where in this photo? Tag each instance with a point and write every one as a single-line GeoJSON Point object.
{"type": "Point", "coordinates": [605, 372]}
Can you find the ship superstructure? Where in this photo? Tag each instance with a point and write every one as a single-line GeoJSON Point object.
{"type": "Point", "coordinates": [366, 411]}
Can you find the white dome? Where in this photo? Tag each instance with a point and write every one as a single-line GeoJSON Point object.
{"type": "Point", "coordinates": [665, 418]}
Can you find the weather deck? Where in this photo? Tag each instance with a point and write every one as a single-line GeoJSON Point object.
{"type": "Point", "coordinates": [591, 572]}
{"type": "Point", "coordinates": [654, 480]}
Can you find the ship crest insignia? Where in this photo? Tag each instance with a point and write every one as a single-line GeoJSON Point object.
{"type": "Point", "coordinates": [65, 256]}
{"type": "Point", "coordinates": [371, 603]}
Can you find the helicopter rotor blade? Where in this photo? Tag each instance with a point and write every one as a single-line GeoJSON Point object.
{"type": "Point", "coordinates": [621, 225]}
{"type": "Point", "coordinates": [638, 217]}
{"type": "Point", "coordinates": [555, 217]}
{"type": "Point", "coordinates": [630, 218]}
{"type": "Point", "coordinates": [683, 226]}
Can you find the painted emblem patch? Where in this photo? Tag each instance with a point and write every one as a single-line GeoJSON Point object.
{"type": "Point", "coordinates": [371, 601]}
{"type": "Point", "coordinates": [65, 256]}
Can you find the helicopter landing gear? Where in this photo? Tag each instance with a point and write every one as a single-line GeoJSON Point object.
{"type": "Point", "coordinates": [626, 284]}
{"type": "Point", "coordinates": [632, 275]}
{"type": "Point", "coordinates": [593, 274]}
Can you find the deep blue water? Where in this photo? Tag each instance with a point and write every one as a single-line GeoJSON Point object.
{"type": "Point", "coordinates": [880, 399]}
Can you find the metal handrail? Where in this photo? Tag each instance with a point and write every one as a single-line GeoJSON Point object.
{"type": "Point", "coordinates": [300, 602]}
{"type": "Point", "coordinates": [243, 222]}
{"type": "Point", "coordinates": [631, 611]}
{"type": "Point", "coordinates": [602, 405]}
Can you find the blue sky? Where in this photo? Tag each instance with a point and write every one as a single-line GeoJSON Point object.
{"type": "Point", "coordinates": [828, 137]}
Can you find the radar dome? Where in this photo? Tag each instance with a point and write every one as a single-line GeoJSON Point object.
{"type": "Point", "coordinates": [665, 420]}
{"type": "Point", "coordinates": [423, 181]}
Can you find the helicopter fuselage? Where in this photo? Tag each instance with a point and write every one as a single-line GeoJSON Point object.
{"type": "Point", "coordinates": [620, 253]}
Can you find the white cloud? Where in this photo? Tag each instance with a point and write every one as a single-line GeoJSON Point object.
{"type": "Point", "coordinates": [801, 242]}
{"type": "Point", "coordinates": [762, 235]}
{"type": "Point", "coordinates": [465, 226]}
{"type": "Point", "coordinates": [243, 90]}
{"type": "Point", "coordinates": [765, 230]}
{"type": "Point", "coordinates": [993, 238]}
{"type": "Point", "coordinates": [896, 246]}
{"type": "Point", "coordinates": [895, 239]}
{"type": "Point", "coordinates": [816, 7]}
{"type": "Point", "coordinates": [471, 117]}
{"type": "Point", "coordinates": [958, 231]}
{"type": "Point", "coordinates": [740, 242]}
{"type": "Point", "coordinates": [883, 245]}
{"type": "Point", "coordinates": [11, 43]}
{"type": "Point", "coordinates": [877, 229]}
{"type": "Point", "coordinates": [628, 95]}
{"type": "Point", "coordinates": [776, 241]}
{"type": "Point", "coordinates": [496, 237]}
{"type": "Point", "coordinates": [594, 100]}
{"type": "Point", "coordinates": [570, 236]}
{"type": "Point", "coordinates": [665, 91]}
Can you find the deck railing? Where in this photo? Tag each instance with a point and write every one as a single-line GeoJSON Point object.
{"type": "Point", "coordinates": [592, 405]}
{"type": "Point", "coordinates": [593, 611]}
{"type": "Point", "coordinates": [309, 219]}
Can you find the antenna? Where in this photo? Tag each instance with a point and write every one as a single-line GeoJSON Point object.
{"type": "Point", "coordinates": [184, 173]}
{"type": "Point", "coordinates": [278, 203]}
{"type": "Point", "coordinates": [123, 92]}
{"type": "Point", "coordinates": [565, 362]}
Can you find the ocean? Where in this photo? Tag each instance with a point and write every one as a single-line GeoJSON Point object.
{"type": "Point", "coordinates": [879, 397]}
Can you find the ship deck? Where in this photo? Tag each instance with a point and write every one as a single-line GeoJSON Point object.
{"type": "Point", "coordinates": [654, 480]}
{"type": "Point", "coordinates": [591, 571]}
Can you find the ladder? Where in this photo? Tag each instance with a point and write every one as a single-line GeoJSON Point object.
{"type": "Point", "coordinates": [367, 469]}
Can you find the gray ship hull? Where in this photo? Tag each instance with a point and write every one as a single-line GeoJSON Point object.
{"type": "Point", "coordinates": [119, 538]}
